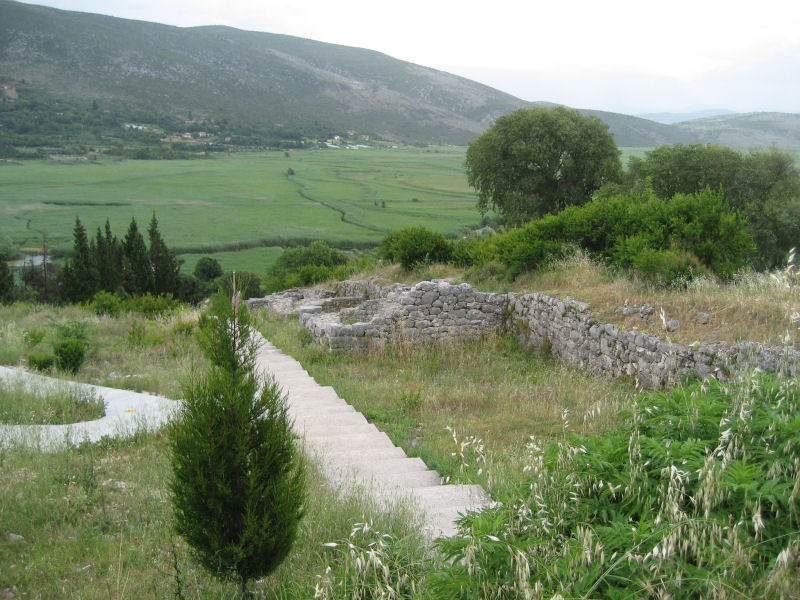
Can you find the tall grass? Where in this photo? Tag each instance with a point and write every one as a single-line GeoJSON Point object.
{"type": "Point", "coordinates": [24, 404]}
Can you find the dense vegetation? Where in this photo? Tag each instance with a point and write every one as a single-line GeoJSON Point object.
{"type": "Point", "coordinates": [762, 186]}
{"type": "Point", "coordinates": [538, 161]}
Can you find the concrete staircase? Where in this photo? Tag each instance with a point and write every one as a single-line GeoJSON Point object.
{"type": "Point", "coordinates": [353, 451]}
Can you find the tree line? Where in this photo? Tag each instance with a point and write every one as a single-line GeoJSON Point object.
{"type": "Point", "coordinates": [104, 263]}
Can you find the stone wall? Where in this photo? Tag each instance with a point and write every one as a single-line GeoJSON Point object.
{"type": "Point", "coordinates": [359, 314]}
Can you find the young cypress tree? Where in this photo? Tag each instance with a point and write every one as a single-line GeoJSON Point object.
{"type": "Point", "coordinates": [137, 272]}
{"type": "Point", "coordinates": [237, 479]}
{"type": "Point", "coordinates": [165, 267]}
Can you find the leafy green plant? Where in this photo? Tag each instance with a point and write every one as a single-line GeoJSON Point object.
{"type": "Point", "coordinates": [70, 354]}
{"type": "Point", "coordinates": [41, 361]}
{"type": "Point", "coordinates": [414, 245]}
{"type": "Point", "coordinates": [694, 496]}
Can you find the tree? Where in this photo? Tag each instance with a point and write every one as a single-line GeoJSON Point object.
{"type": "Point", "coordinates": [207, 268]}
{"type": "Point", "coordinates": [238, 482]}
{"type": "Point", "coordinates": [541, 160]}
{"type": "Point", "coordinates": [165, 267]}
{"type": "Point", "coordinates": [6, 280]}
{"type": "Point", "coordinates": [137, 272]}
{"type": "Point", "coordinates": [764, 186]}
{"type": "Point", "coordinates": [108, 259]}
{"type": "Point", "coordinates": [80, 280]}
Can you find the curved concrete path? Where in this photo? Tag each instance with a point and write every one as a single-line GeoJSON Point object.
{"type": "Point", "coordinates": [350, 450]}
{"type": "Point", "coordinates": [126, 413]}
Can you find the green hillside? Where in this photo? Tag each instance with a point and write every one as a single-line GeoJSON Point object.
{"type": "Point", "coordinates": [79, 81]}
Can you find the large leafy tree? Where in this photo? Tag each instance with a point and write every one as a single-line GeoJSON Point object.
{"type": "Point", "coordinates": [763, 186]}
{"type": "Point", "coordinates": [538, 161]}
{"type": "Point", "coordinates": [238, 481]}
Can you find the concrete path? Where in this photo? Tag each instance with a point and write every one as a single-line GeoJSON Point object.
{"type": "Point", "coordinates": [353, 451]}
{"type": "Point", "coordinates": [349, 449]}
{"type": "Point", "coordinates": [126, 413]}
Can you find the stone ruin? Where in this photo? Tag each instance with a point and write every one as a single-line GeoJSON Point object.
{"type": "Point", "coordinates": [362, 314]}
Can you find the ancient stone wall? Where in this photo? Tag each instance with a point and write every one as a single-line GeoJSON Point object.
{"type": "Point", "coordinates": [361, 314]}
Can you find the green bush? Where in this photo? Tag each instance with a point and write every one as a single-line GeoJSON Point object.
{"type": "Point", "coordinates": [41, 361]}
{"type": "Point", "coordinates": [663, 240]}
{"type": "Point", "coordinates": [413, 246]}
{"type": "Point", "coordinates": [70, 354]}
{"type": "Point", "coordinates": [152, 306]}
{"type": "Point", "coordinates": [106, 303]}
{"type": "Point", "coordinates": [305, 265]}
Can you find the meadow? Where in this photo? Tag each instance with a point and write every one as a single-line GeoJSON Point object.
{"type": "Point", "coordinates": [349, 198]}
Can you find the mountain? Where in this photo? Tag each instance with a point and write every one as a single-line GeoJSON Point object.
{"type": "Point", "coordinates": [752, 130]}
{"type": "Point", "coordinates": [668, 118]}
{"type": "Point", "coordinates": [85, 79]}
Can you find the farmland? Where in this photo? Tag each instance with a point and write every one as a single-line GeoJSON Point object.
{"type": "Point", "coordinates": [349, 198]}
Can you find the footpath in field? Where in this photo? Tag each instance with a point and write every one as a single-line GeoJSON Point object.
{"type": "Point", "coordinates": [126, 412]}
{"type": "Point", "coordinates": [352, 451]}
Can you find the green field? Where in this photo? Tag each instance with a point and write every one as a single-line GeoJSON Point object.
{"type": "Point", "coordinates": [348, 197]}
{"type": "Point", "coordinates": [242, 208]}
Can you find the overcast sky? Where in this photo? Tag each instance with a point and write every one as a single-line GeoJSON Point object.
{"type": "Point", "coordinates": [629, 56]}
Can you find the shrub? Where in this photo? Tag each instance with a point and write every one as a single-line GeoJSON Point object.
{"type": "Point", "coordinates": [70, 354]}
{"type": "Point", "coordinates": [414, 245]}
{"type": "Point", "coordinates": [304, 265]}
{"type": "Point", "coordinates": [152, 306]}
{"type": "Point", "coordinates": [694, 496]}
{"type": "Point", "coordinates": [106, 303]}
{"type": "Point", "coordinates": [41, 361]}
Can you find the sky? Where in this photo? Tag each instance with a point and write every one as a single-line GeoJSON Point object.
{"type": "Point", "coordinates": [629, 56]}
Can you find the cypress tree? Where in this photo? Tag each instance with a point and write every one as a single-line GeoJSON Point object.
{"type": "Point", "coordinates": [137, 272]}
{"type": "Point", "coordinates": [107, 259]}
{"type": "Point", "coordinates": [80, 280]}
{"type": "Point", "coordinates": [237, 483]}
{"type": "Point", "coordinates": [6, 280]}
{"type": "Point", "coordinates": [165, 267]}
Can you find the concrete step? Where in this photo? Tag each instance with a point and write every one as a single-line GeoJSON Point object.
{"type": "Point", "coordinates": [351, 451]}
{"type": "Point", "coordinates": [319, 428]}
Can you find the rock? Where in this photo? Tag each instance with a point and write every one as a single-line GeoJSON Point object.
{"type": "Point", "coordinates": [672, 325]}
{"type": "Point", "coordinates": [702, 318]}
{"type": "Point", "coordinates": [13, 537]}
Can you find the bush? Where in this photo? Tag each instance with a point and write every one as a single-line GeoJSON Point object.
{"type": "Point", "coordinates": [415, 245]}
{"type": "Point", "coordinates": [305, 265]}
{"type": "Point", "coordinates": [106, 303]}
{"type": "Point", "coordinates": [152, 306]}
{"type": "Point", "coordinates": [70, 354]}
{"type": "Point", "coordinates": [41, 361]}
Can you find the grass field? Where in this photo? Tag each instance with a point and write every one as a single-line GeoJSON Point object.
{"type": "Point", "coordinates": [347, 197]}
